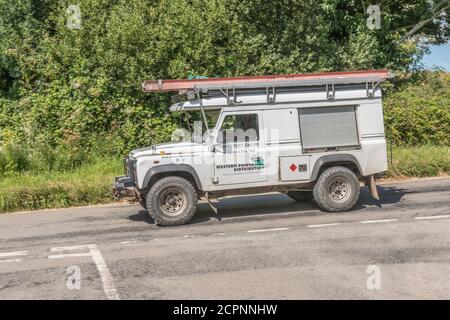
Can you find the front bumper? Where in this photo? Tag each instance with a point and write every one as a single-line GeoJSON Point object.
{"type": "Point", "coordinates": [123, 188]}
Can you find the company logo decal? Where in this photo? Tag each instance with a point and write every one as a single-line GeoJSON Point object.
{"type": "Point", "coordinates": [258, 164]}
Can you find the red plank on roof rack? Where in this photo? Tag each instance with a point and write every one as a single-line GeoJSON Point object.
{"type": "Point", "coordinates": [180, 85]}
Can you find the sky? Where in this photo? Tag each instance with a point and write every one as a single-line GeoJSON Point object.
{"type": "Point", "coordinates": [439, 56]}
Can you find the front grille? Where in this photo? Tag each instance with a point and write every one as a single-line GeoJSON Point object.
{"type": "Point", "coordinates": [131, 170]}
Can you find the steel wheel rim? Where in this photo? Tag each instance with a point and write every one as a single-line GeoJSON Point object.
{"type": "Point", "coordinates": [339, 189]}
{"type": "Point", "coordinates": [172, 201]}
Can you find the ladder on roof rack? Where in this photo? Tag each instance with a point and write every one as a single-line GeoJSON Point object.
{"type": "Point", "coordinates": [269, 82]}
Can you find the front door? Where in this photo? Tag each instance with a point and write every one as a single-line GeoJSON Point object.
{"type": "Point", "coordinates": [239, 155]}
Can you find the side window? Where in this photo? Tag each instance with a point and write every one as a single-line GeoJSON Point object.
{"type": "Point", "coordinates": [238, 128]}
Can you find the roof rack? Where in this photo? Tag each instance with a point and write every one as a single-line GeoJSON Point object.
{"type": "Point", "coordinates": [268, 82]}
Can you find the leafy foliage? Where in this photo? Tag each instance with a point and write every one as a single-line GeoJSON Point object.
{"type": "Point", "coordinates": [419, 112]}
{"type": "Point", "coordinates": [65, 88]}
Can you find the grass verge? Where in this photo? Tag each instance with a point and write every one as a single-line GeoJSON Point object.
{"type": "Point", "coordinates": [88, 184]}
{"type": "Point", "coordinates": [421, 161]}
{"type": "Point", "coordinates": [91, 183]}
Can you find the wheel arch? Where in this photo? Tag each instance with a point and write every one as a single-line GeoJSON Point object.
{"type": "Point", "coordinates": [344, 160]}
{"type": "Point", "coordinates": [180, 170]}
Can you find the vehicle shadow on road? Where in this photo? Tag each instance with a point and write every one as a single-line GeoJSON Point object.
{"type": "Point", "coordinates": [388, 196]}
{"type": "Point", "coordinates": [143, 216]}
{"type": "Point", "coordinates": [269, 205]}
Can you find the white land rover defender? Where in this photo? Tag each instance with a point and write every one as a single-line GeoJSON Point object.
{"type": "Point", "coordinates": [306, 135]}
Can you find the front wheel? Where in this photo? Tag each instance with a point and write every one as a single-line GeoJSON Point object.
{"type": "Point", "coordinates": [337, 189]}
{"type": "Point", "coordinates": [172, 201]}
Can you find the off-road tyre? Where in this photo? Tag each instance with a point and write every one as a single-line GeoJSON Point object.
{"type": "Point", "coordinates": [172, 201]}
{"type": "Point", "coordinates": [337, 189]}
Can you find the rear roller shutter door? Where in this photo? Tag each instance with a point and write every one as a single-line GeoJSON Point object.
{"type": "Point", "coordinates": [327, 127]}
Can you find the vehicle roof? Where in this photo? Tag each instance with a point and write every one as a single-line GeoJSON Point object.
{"type": "Point", "coordinates": [216, 93]}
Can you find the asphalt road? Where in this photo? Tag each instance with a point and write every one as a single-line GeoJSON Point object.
{"type": "Point", "coordinates": [258, 247]}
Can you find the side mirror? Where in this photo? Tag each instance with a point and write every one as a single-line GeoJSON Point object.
{"type": "Point", "coordinates": [210, 144]}
{"type": "Point", "coordinates": [212, 147]}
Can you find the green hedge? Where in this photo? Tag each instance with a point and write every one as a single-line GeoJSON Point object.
{"type": "Point", "coordinates": [64, 86]}
{"type": "Point", "coordinates": [419, 112]}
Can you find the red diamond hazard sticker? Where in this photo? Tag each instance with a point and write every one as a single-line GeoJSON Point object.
{"type": "Point", "coordinates": [293, 167]}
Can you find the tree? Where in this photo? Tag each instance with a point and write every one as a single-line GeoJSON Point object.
{"type": "Point", "coordinates": [62, 85]}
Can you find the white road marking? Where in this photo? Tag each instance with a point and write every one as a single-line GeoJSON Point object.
{"type": "Point", "coordinates": [108, 282]}
{"type": "Point", "coordinates": [69, 255]}
{"type": "Point", "coordinates": [94, 252]}
{"type": "Point", "coordinates": [432, 217]}
{"type": "Point", "coordinates": [379, 221]}
{"type": "Point", "coordinates": [13, 254]}
{"type": "Point", "coordinates": [322, 225]}
{"type": "Point", "coordinates": [10, 260]}
{"type": "Point", "coordinates": [219, 234]}
{"type": "Point", "coordinates": [130, 242]}
{"type": "Point", "coordinates": [81, 247]}
{"type": "Point", "coordinates": [267, 230]}
{"type": "Point", "coordinates": [188, 236]}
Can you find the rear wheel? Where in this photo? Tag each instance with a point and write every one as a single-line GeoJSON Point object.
{"type": "Point", "coordinates": [337, 189]}
{"type": "Point", "coordinates": [172, 201]}
{"type": "Point", "coordinates": [300, 195]}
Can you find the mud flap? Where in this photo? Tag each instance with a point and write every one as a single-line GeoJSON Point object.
{"type": "Point", "coordinates": [373, 187]}
{"type": "Point", "coordinates": [213, 208]}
